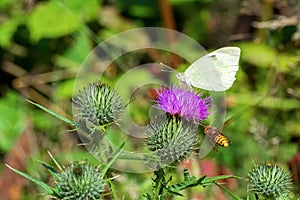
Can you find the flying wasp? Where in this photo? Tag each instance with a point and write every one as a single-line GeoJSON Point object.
{"type": "Point", "coordinates": [215, 136]}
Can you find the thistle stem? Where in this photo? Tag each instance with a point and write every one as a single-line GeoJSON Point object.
{"type": "Point", "coordinates": [227, 191]}
{"type": "Point", "coordinates": [111, 184]}
{"type": "Point", "coordinates": [158, 183]}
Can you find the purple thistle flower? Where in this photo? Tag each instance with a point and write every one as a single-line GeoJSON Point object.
{"type": "Point", "coordinates": [184, 102]}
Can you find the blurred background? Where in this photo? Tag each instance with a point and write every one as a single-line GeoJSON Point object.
{"type": "Point", "coordinates": [43, 43]}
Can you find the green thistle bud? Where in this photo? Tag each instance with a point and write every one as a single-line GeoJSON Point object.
{"type": "Point", "coordinates": [172, 138]}
{"type": "Point", "coordinates": [98, 104]}
{"type": "Point", "coordinates": [80, 181]}
{"type": "Point", "coordinates": [284, 196]}
{"type": "Point", "coordinates": [269, 181]}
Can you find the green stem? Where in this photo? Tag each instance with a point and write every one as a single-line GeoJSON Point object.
{"type": "Point", "coordinates": [111, 184]}
{"type": "Point", "coordinates": [267, 13]}
{"type": "Point", "coordinates": [113, 159]}
{"type": "Point", "coordinates": [227, 191]}
{"type": "Point", "coordinates": [107, 171]}
{"type": "Point", "coordinates": [211, 180]}
{"type": "Point", "coordinates": [158, 183]}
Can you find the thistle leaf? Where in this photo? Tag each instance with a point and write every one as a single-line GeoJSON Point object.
{"type": "Point", "coordinates": [53, 113]}
{"type": "Point", "coordinates": [46, 187]}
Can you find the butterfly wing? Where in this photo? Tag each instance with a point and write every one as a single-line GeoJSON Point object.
{"type": "Point", "coordinates": [215, 71]}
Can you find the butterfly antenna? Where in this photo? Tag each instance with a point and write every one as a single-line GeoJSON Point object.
{"type": "Point", "coordinates": [200, 123]}
{"type": "Point", "coordinates": [164, 64]}
{"type": "Point", "coordinates": [170, 70]}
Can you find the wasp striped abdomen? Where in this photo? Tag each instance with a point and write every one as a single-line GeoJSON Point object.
{"type": "Point", "coordinates": [216, 136]}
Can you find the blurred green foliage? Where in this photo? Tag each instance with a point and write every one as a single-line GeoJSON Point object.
{"type": "Point", "coordinates": [50, 39]}
{"type": "Point", "coordinates": [13, 120]}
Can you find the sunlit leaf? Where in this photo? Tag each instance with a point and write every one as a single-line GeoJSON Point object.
{"type": "Point", "coordinates": [80, 49]}
{"type": "Point", "coordinates": [142, 11]}
{"type": "Point", "coordinates": [113, 21]}
{"type": "Point", "coordinates": [139, 9]}
{"type": "Point", "coordinates": [12, 120]}
{"type": "Point", "coordinates": [5, 3]}
{"type": "Point", "coordinates": [285, 62]}
{"type": "Point", "coordinates": [7, 30]}
{"type": "Point", "coordinates": [65, 89]}
{"type": "Point", "coordinates": [266, 102]}
{"type": "Point", "coordinates": [198, 20]}
{"type": "Point", "coordinates": [88, 10]}
{"type": "Point", "coordinates": [260, 55]}
{"type": "Point", "coordinates": [180, 2]}
{"type": "Point", "coordinates": [51, 20]}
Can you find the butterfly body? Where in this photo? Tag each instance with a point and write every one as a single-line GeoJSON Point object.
{"type": "Point", "coordinates": [215, 71]}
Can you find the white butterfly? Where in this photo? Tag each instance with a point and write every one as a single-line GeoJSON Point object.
{"type": "Point", "coordinates": [215, 71]}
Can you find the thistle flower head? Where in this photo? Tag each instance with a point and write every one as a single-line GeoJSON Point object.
{"type": "Point", "coordinates": [79, 181]}
{"type": "Point", "coordinates": [97, 103]}
{"type": "Point", "coordinates": [183, 102]}
{"type": "Point", "coordinates": [284, 196]}
{"type": "Point", "coordinates": [172, 138]}
{"type": "Point", "coordinates": [270, 181]}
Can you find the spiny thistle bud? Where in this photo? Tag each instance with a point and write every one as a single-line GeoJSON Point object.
{"type": "Point", "coordinates": [97, 103]}
{"type": "Point", "coordinates": [171, 137]}
{"type": "Point", "coordinates": [80, 181]}
{"type": "Point", "coordinates": [269, 180]}
{"type": "Point", "coordinates": [284, 196]}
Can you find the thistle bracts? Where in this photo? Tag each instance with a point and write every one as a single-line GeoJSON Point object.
{"type": "Point", "coordinates": [172, 138]}
{"type": "Point", "coordinates": [80, 181]}
{"type": "Point", "coordinates": [97, 103]}
{"type": "Point", "coordinates": [269, 181]}
{"type": "Point", "coordinates": [173, 135]}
